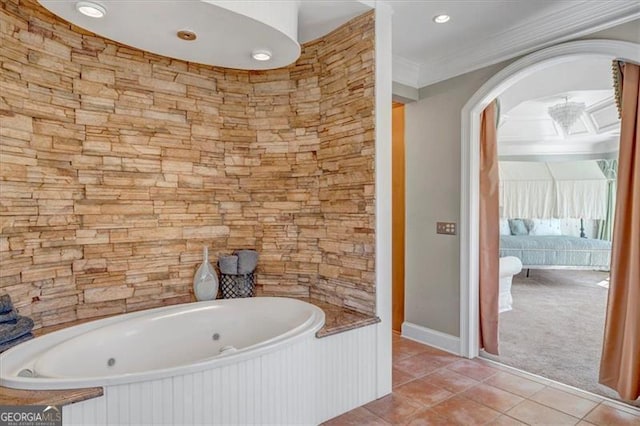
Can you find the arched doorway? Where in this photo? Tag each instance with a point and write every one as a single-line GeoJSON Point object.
{"type": "Point", "coordinates": [470, 155]}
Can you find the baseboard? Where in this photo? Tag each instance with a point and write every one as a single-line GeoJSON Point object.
{"type": "Point", "coordinates": [434, 338]}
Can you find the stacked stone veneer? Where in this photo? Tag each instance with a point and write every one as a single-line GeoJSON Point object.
{"type": "Point", "coordinates": [117, 165]}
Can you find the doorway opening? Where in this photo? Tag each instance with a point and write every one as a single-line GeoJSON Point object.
{"type": "Point", "coordinates": [557, 141]}
{"type": "Point", "coordinates": [397, 214]}
{"type": "Point", "coordinates": [603, 49]}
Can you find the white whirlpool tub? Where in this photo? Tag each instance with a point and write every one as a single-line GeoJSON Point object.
{"type": "Point", "coordinates": [238, 361]}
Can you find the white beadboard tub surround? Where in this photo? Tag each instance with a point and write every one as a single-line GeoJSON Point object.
{"type": "Point", "coordinates": [279, 374]}
{"type": "Point", "coordinates": [306, 383]}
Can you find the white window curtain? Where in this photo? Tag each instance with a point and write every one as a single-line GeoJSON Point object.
{"type": "Point", "coordinates": [575, 189]}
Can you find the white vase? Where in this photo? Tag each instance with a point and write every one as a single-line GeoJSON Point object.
{"type": "Point", "coordinates": [205, 281]}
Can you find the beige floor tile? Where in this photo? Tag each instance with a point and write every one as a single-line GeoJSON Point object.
{"type": "Point", "coordinates": [424, 376]}
{"type": "Point", "coordinates": [622, 406]}
{"type": "Point", "coordinates": [475, 369]}
{"type": "Point", "coordinates": [357, 417]}
{"type": "Point", "coordinates": [443, 358]}
{"type": "Point", "coordinates": [576, 392]}
{"type": "Point", "coordinates": [563, 401]}
{"type": "Point", "coordinates": [465, 411]}
{"type": "Point", "coordinates": [399, 377]}
{"type": "Point", "coordinates": [418, 365]}
{"type": "Point", "coordinates": [428, 418]}
{"type": "Point", "coordinates": [408, 347]}
{"type": "Point", "coordinates": [394, 408]}
{"type": "Point", "coordinates": [530, 376]}
{"type": "Point", "coordinates": [532, 413]}
{"type": "Point", "coordinates": [515, 384]}
{"type": "Point", "coordinates": [493, 397]}
{"type": "Point", "coordinates": [607, 415]}
{"type": "Point", "coordinates": [423, 392]}
{"type": "Point", "coordinates": [505, 421]}
{"type": "Point", "coordinates": [450, 380]}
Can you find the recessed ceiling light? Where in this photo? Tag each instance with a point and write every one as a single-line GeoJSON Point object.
{"type": "Point", "coordinates": [91, 9]}
{"type": "Point", "coordinates": [186, 35]}
{"type": "Point", "coordinates": [261, 54]}
{"type": "Point", "coordinates": [441, 19]}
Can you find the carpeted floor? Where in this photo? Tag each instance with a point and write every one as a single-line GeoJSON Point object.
{"type": "Point", "coordinates": [556, 326]}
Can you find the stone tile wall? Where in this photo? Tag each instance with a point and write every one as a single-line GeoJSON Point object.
{"type": "Point", "coordinates": [117, 166]}
{"type": "Point", "coordinates": [347, 171]}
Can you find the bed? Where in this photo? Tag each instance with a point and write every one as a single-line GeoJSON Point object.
{"type": "Point", "coordinates": [552, 214]}
{"type": "Point", "coordinates": [557, 251]}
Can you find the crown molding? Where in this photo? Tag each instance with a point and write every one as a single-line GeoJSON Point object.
{"type": "Point", "coordinates": [562, 24]}
{"type": "Point", "coordinates": [405, 71]}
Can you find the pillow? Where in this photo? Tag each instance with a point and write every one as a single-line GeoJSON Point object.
{"type": "Point", "coordinates": [518, 227]}
{"type": "Point", "coordinates": [544, 227]}
{"type": "Point", "coordinates": [528, 223]}
{"type": "Point", "coordinates": [504, 227]}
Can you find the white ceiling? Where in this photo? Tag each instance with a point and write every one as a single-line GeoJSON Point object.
{"type": "Point", "coordinates": [526, 129]}
{"type": "Point", "coordinates": [585, 73]}
{"type": "Point", "coordinates": [318, 17]}
{"type": "Point", "coordinates": [227, 31]}
{"type": "Point", "coordinates": [484, 32]}
{"type": "Point", "coordinates": [480, 33]}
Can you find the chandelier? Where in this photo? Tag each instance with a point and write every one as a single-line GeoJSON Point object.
{"type": "Point", "coordinates": [566, 114]}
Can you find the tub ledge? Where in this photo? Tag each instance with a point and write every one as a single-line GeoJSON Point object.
{"type": "Point", "coordinates": [10, 396]}
{"type": "Point", "coordinates": [339, 319]}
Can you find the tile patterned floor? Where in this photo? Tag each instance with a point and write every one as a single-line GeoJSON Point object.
{"type": "Point", "coordinates": [432, 387]}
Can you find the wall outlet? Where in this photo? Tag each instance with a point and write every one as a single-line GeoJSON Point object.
{"type": "Point", "coordinates": [447, 228]}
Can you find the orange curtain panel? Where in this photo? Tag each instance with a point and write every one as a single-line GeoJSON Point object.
{"type": "Point", "coordinates": [489, 233]}
{"type": "Point", "coordinates": [620, 364]}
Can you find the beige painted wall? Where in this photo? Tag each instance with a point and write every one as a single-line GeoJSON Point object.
{"type": "Point", "coordinates": [432, 265]}
{"type": "Point", "coordinates": [432, 290]}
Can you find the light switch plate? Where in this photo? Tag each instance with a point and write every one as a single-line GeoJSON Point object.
{"type": "Point", "coordinates": [447, 228]}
